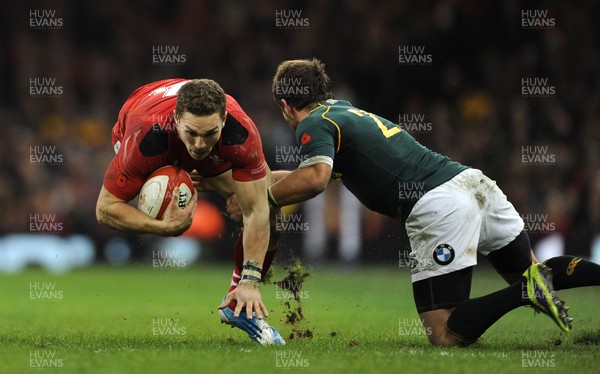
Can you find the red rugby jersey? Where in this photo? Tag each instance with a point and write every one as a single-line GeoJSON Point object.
{"type": "Point", "coordinates": [148, 140]}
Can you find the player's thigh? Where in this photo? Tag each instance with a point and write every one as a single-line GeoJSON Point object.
{"type": "Point", "coordinates": [501, 223]}
{"type": "Point", "coordinates": [443, 229]}
{"type": "Point", "coordinates": [503, 239]}
{"type": "Point", "coordinates": [445, 291]}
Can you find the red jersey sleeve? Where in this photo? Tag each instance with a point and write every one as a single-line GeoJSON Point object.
{"type": "Point", "coordinates": [247, 158]}
{"type": "Point", "coordinates": [129, 169]}
{"type": "Point", "coordinates": [144, 128]}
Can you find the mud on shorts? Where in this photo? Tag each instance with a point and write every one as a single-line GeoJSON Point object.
{"type": "Point", "coordinates": [447, 227]}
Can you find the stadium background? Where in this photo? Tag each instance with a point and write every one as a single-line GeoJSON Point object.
{"type": "Point", "coordinates": [469, 94]}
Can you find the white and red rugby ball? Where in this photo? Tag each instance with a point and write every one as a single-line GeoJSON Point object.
{"type": "Point", "coordinates": [157, 191]}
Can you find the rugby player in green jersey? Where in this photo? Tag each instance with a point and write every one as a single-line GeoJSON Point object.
{"type": "Point", "coordinates": [450, 211]}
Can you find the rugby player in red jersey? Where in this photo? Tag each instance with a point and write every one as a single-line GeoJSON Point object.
{"type": "Point", "coordinates": [193, 124]}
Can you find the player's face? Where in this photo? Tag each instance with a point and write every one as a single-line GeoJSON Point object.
{"type": "Point", "coordinates": [199, 133]}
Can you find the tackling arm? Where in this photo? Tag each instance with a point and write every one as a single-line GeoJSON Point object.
{"type": "Point", "coordinates": [301, 184]}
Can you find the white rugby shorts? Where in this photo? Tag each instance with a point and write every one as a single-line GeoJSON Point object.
{"type": "Point", "coordinates": [452, 222]}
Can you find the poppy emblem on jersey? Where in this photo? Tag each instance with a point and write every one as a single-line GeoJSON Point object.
{"type": "Point", "coordinates": [443, 254]}
{"type": "Point", "coordinates": [305, 138]}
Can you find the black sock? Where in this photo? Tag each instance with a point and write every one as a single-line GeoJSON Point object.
{"type": "Point", "coordinates": [470, 319]}
{"type": "Point", "coordinates": [570, 272]}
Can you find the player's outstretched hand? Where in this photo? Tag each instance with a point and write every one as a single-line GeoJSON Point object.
{"type": "Point", "coordinates": [248, 297]}
{"type": "Point", "coordinates": [177, 220]}
{"type": "Point", "coordinates": [233, 208]}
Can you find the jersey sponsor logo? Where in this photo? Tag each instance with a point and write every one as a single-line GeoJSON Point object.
{"type": "Point", "coordinates": [443, 254]}
{"type": "Point", "coordinates": [305, 138]}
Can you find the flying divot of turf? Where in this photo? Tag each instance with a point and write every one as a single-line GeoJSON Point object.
{"type": "Point", "coordinates": [293, 315]}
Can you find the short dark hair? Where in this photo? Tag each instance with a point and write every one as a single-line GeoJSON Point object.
{"type": "Point", "coordinates": [201, 97]}
{"type": "Point", "coordinates": [301, 83]}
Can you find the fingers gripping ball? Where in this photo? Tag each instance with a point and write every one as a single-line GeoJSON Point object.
{"type": "Point", "coordinates": [157, 191]}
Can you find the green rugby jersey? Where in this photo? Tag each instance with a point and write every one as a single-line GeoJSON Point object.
{"type": "Point", "coordinates": [382, 165]}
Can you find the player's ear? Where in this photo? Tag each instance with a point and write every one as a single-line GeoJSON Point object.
{"type": "Point", "coordinates": [285, 107]}
{"type": "Point", "coordinates": [224, 119]}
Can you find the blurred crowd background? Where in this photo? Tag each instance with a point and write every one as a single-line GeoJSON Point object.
{"type": "Point", "coordinates": [469, 93]}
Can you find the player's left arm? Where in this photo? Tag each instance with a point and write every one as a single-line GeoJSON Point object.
{"type": "Point", "coordinates": [252, 199]}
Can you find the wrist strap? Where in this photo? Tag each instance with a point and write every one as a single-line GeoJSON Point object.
{"type": "Point", "coordinates": [272, 202]}
{"type": "Point", "coordinates": [251, 273]}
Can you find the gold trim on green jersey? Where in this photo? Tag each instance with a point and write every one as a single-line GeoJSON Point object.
{"type": "Point", "coordinates": [332, 121]}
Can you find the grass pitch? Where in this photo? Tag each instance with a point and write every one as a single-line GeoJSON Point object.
{"type": "Point", "coordinates": [148, 320]}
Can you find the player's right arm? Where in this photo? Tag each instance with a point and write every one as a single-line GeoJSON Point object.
{"type": "Point", "coordinates": [119, 215]}
{"type": "Point", "coordinates": [123, 181]}
{"type": "Point", "coordinates": [301, 184]}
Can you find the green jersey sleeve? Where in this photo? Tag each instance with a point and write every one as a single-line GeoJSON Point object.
{"type": "Point", "coordinates": [317, 137]}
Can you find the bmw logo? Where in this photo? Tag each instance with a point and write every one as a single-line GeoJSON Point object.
{"type": "Point", "coordinates": [443, 254]}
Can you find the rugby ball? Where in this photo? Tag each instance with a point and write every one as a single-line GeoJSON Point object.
{"type": "Point", "coordinates": [157, 191]}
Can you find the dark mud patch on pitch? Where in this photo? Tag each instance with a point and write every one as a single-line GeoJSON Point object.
{"type": "Point", "coordinates": [587, 338]}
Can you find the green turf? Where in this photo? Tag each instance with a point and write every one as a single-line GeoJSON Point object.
{"type": "Point", "coordinates": [118, 320]}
